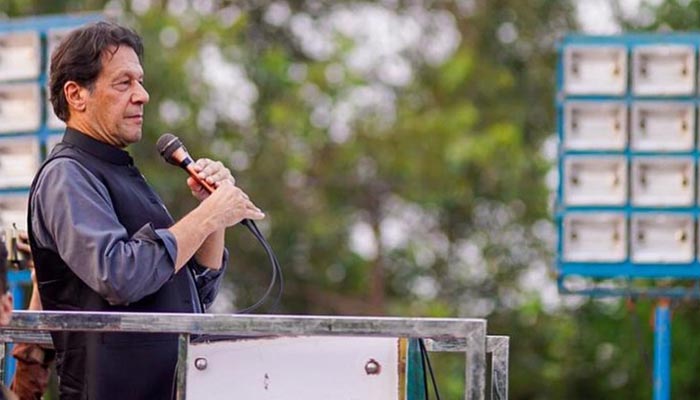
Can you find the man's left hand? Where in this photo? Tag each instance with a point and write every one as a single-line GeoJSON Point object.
{"type": "Point", "coordinates": [212, 172]}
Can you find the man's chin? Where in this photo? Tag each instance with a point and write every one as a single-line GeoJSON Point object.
{"type": "Point", "coordinates": [135, 136]}
{"type": "Point", "coordinates": [130, 138]}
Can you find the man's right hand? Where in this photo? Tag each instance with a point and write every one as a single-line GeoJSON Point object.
{"type": "Point", "coordinates": [202, 230]}
{"type": "Point", "coordinates": [229, 205]}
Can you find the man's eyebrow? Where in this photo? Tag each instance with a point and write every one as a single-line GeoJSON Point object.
{"type": "Point", "coordinates": [130, 73]}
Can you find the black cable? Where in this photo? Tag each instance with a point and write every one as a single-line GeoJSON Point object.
{"type": "Point", "coordinates": [276, 270]}
{"type": "Point", "coordinates": [425, 372]}
{"type": "Point", "coordinates": [256, 232]}
{"type": "Point", "coordinates": [275, 264]}
{"type": "Point", "coordinates": [424, 351]}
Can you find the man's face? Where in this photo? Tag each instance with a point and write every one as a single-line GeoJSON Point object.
{"type": "Point", "coordinates": [114, 106]}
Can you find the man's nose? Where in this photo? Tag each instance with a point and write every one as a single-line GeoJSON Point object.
{"type": "Point", "coordinates": [141, 95]}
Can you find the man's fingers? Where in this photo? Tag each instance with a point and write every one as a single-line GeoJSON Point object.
{"type": "Point", "coordinates": [221, 175]}
{"type": "Point", "coordinates": [203, 162]}
{"type": "Point", "coordinates": [252, 206]}
{"type": "Point", "coordinates": [200, 167]}
{"type": "Point", "coordinates": [209, 167]}
{"type": "Point", "coordinates": [243, 195]}
{"type": "Point", "coordinates": [213, 171]}
{"type": "Point", "coordinates": [23, 247]}
{"type": "Point", "coordinates": [193, 184]}
{"type": "Point", "coordinates": [254, 214]}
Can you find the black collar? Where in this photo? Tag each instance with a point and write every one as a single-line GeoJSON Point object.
{"type": "Point", "coordinates": [98, 149]}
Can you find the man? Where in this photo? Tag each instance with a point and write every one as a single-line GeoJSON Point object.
{"type": "Point", "coordinates": [101, 238]}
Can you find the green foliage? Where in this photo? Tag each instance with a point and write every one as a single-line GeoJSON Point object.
{"type": "Point", "coordinates": [445, 166]}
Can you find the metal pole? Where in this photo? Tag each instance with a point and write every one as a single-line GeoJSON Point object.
{"type": "Point", "coordinates": [498, 347]}
{"type": "Point", "coordinates": [662, 351]}
{"type": "Point", "coordinates": [15, 280]}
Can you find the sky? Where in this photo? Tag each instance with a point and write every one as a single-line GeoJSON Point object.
{"type": "Point", "coordinates": [596, 16]}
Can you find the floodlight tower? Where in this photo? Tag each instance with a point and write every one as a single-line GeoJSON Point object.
{"type": "Point", "coordinates": [627, 201]}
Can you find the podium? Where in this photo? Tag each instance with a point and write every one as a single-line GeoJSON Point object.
{"type": "Point", "coordinates": [365, 348]}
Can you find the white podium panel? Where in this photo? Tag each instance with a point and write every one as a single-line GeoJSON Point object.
{"type": "Point", "coordinates": [13, 210]}
{"type": "Point", "coordinates": [595, 126]}
{"type": "Point", "coordinates": [20, 55]}
{"type": "Point", "coordinates": [595, 237]}
{"type": "Point", "coordinates": [663, 70]}
{"type": "Point", "coordinates": [595, 70]}
{"type": "Point", "coordinates": [663, 126]}
{"type": "Point", "coordinates": [293, 368]}
{"type": "Point", "coordinates": [663, 238]}
{"type": "Point", "coordinates": [20, 108]}
{"type": "Point", "coordinates": [19, 161]}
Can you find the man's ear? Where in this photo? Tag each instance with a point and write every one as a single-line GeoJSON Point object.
{"type": "Point", "coordinates": [76, 95]}
{"type": "Point", "coordinates": [5, 308]}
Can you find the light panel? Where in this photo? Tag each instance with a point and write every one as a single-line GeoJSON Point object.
{"type": "Point", "coordinates": [628, 197]}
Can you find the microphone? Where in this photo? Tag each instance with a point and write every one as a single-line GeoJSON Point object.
{"type": "Point", "coordinates": [174, 152]}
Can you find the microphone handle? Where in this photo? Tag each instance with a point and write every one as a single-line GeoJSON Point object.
{"type": "Point", "coordinates": [188, 165]}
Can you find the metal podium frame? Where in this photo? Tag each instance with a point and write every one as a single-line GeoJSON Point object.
{"type": "Point", "coordinates": [444, 334]}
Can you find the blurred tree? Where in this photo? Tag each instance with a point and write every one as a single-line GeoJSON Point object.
{"type": "Point", "coordinates": [397, 150]}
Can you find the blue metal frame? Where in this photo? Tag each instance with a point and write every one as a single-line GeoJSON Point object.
{"type": "Point", "coordinates": [44, 23]}
{"type": "Point", "coordinates": [626, 272]}
{"type": "Point", "coordinates": [18, 280]}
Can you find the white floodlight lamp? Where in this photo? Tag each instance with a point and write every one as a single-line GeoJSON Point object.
{"type": "Point", "coordinates": [20, 55]}
{"type": "Point", "coordinates": [20, 108]}
{"type": "Point", "coordinates": [663, 70]}
{"type": "Point", "coordinates": [19, 161]}
{"type": "Point", "coordinates": [590, 70]}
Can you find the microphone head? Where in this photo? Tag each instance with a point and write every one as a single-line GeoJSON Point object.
{"type": "Point", "coordinates": [167, 145]}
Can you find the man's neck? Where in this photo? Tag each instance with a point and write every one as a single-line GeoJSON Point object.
{"type": "Point", "coordinates": [85, 129]}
